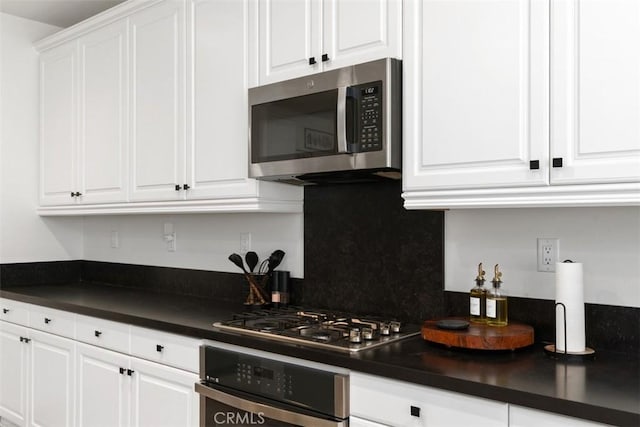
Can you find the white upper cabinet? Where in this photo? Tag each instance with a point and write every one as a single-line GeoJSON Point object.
{"type": "Point", "coordinates": [507, 104]}
{"type": "Point", "coordinates": [158, 101]}
{"type": "Point", "coordinates": [103, 114]}
{"type": "Point", "coordinates": [58, 122]}
{"type": "Point", "coordinates": [289, 37]}
{"type": "Point", "coordinates": [356, 31]}
{"type": "Point", "coordinates": [481, 114]}
{"type": "Point", "coordinates": [595, 91]}
{"type": "Point", "coordinates": [297, 38]}
{"type": "Point", "coordinates": [144, 110]}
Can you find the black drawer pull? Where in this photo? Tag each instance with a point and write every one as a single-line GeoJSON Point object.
{"type": "Point", "coordinates": [325, 57]}
{"type": "Point", "coordinates": [26, 340]}
{"type": "Point", "coordinates": [97, 334]}
{"type": "Point", "coordinates": [159, 348]}
{"type": "Point", "coordinates": [78, 194]}
{"type": "Point", "coordinates": [186, 187]}
{"type": "Point", "coordinates": [47, 320]}
{"type": "Point", "coordinates": [312, 60]}
{"type": "Point", "coordinates": [129, 372]}
{"type": "Point", "coordinates": [21, 339]}
{"type": "Point", "coordinates": [178, 188]}
{"type": "Point", "coordinates": [415, 411]}
{"type": "Point", "coordinates": [534, 164]}
{"type": "Point", "coordinates": [5, 310]}
{"type": "Point", "coordinates": [122, 371]}
{"type": "Point", "coordinates": [557, 162]}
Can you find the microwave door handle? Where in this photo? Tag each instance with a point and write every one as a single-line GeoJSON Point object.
{"type": "Point", "coordinates": [341, 120]}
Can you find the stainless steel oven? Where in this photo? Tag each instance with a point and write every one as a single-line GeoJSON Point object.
{"type": "Point", "coordinates": [338, 123]}
{"type": "Point", "coordinates": [241, 387]}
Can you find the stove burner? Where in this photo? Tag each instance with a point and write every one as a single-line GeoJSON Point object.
{"type": "Point", "coordinates": [318, 328]}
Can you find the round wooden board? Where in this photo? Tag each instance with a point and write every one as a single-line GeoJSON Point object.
{"type": "Point", "coordinates": [480, 336]}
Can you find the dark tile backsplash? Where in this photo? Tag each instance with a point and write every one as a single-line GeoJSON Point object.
{"type": "Point", "coordinates": [34, 273]}
{"type": "Point", "coordinates": [363, 252]}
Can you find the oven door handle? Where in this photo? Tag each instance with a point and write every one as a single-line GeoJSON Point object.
{"type": "Point", "coordinates": [267, 411]}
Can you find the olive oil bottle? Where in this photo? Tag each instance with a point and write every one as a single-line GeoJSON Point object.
{"type": "Point", "coordinates": [497, 307]}
{"type": "Point", "coordinates": [478, 299]}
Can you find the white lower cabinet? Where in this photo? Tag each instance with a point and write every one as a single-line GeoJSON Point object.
{"type": "Point", "coordinates": [49, 380]}
{"type": "Point", "coordinates": [37, 371]}
{"type": "Point", "coordinates": [118, 390]}
{"type": "Point", "coordinates": [162, 396]}
{"type": "Point", "coordinates": [13, 374]}
{"type": "Point", "coordinates": [527, 417]}
{"type": "Point", "coordinates": [380, 401]}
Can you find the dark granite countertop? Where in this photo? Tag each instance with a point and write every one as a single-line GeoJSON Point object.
{"type": "Point", "coordinates": [606, 389]}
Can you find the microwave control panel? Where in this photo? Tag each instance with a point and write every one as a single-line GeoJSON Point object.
{"type": "Point", "coordinates": [369, 111]}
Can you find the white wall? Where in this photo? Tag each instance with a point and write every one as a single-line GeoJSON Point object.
{"type": "Point", "coordinates": [605, 240]}
{"type": "Point", "coordinates": [203, 241]}
{"type": "Point", "coordinates": [24, 236]}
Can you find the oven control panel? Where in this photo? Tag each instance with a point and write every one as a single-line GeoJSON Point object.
{"type": "Point", "coordinates": [272, 379]}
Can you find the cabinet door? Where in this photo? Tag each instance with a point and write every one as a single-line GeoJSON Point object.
{"type": "Point", "coordinates": [289, 34]}
{"type": "Point", "coordinates": [58, 125]}
{"type": "Point", "coordinates": [217, 155]}
{"type": "Point", "coordinates": [51, 381]}
{"type": "Point", "coordinates": [158, 101]}
{"type": "Point", "coordinates": [357, 31]}
{"type": "Point", "coordinates": [103, 114]}
{"type": "Point", "coordinates": [13, 374]}
{"type": "Point", "coordinates": [476, 101]}
{"type": "Point", "coordinates": [103, 391]}
{"type": "Point", "coordinates": [595, 91]}
{"type": "Point", "coordinates": [162, 396]}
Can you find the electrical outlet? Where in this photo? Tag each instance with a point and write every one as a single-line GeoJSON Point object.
{"type": "Point", "coordinates": [115, 240]}
{"type": "Point", "coordinates": [548, 254]}
{"type": "Point", "coordinates": [245, 242]}
{"type": "Point", "coordinates": [169, 236]}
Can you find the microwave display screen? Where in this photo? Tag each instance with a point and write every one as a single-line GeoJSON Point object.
{"type": "Point", "coordinates": [294, 128]}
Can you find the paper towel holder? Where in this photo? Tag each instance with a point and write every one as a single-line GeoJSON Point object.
{"type": "Point", "coordinates": [552, 349]}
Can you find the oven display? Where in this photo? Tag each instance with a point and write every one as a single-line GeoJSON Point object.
{"type": "Point", "coordinates": [262, 373]}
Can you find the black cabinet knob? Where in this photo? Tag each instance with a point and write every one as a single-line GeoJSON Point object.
{"type": "Point", "coordinates": [415, 411]}
{"type": "Point", "coordinates": [186, 187]}
{"type": "Point", "coordinates": [129, 372]}
{"type": "Point", "coordinates": [312, 60]}
{"type": "Point", "coordinates": [122, 371]}
{"type": "Point", "coordinates": [178, 188]}
{"type": "Point", "coordinates": [97, 334]}
{"type": "Point", "coordinates": [159, 348]}
{"type": "Point", "coordinates": [21, 339]}
{"type": "Point", "coordinates": [47, 320]}
{"type": "Point", "coordinates": [534, 164]}
{"type": "Point", "coordinates": [77, 194]}
{"type": "Point", "coordinates": [73, 194]}
{"type": "Point", "coordinates": [26, 340]}
{"type": "Point", "coordinates": [557, 162]}
{"type": "Point", "coordinates": [5, 310]}
{"type": "Point", "coordinates": [325, 57]}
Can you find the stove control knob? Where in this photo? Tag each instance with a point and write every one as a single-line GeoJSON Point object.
{"type": "Point", "coordinates": [367, 333]}
{"type": "Point", "coordinates": [395, 327]}
{"type": "Point", "coordinates": [385, 329]}
{"type": "Point", "coordinates": [355, 336]}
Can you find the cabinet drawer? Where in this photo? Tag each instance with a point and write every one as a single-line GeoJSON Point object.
{"type": "Point", "coordinates": [14, 311]}
{"type": "Point", "coordinates": [168, 349]}
{"type": "Point", "coordinates": [397, 403]}
{"type": "Point", "coordinates": [103, 333]}
{"type": "Point", "coordinates": [54, 321]}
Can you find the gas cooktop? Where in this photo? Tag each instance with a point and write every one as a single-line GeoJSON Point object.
{"type": "Point", "coordinates": [319, 328]}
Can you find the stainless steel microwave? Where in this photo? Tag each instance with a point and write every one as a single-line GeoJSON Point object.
{"type": "Point", "coordinates": [342, 125]}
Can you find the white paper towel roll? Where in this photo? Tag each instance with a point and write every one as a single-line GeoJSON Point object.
{"type": "Point", "coordinates": [570, 292]}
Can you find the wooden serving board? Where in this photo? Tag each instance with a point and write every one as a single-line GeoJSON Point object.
{"type": "Point", "coordinates": [480, 336]}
